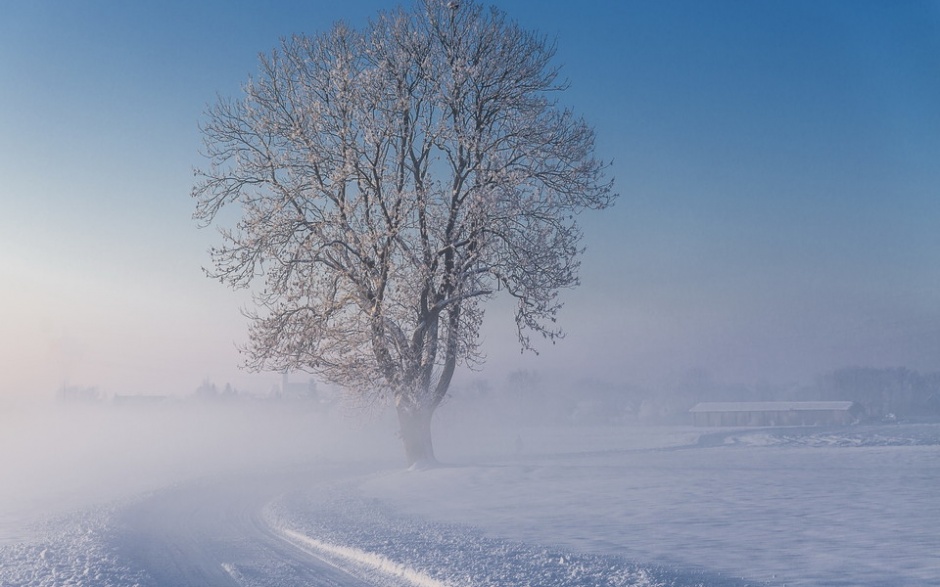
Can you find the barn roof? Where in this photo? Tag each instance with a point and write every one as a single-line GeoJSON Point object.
{"type": "Point", "coordinates": [770, 406]}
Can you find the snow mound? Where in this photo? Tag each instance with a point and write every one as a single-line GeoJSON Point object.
{"type": "Point", "coordinates": [925, 435]}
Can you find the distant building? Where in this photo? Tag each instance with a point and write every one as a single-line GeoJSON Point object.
{"type": "Point", "coordinates": [775, 413]}
{"type": "Point", "coordinates": [78, 394]}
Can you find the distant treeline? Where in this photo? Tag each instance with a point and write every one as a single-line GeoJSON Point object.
{"type": "Point", "coordinates": [885, 393]}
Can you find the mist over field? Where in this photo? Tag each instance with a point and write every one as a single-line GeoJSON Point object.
{"type": "Point", "coordinates": [275, 492]}
{"type": "Point", "coordinates": [59, 457]}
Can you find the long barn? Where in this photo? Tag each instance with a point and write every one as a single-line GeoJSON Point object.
{"type": "Point", "coordinates": [775, 413]}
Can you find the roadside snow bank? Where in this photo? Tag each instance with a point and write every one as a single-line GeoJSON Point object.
{"type": "Point", "coordinates": [363, 536]}
{"type": "Point", "coordinates": [367, 563]}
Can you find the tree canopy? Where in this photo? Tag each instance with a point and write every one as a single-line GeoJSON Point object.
{"type": "Point", "coordinates": [386, 182]}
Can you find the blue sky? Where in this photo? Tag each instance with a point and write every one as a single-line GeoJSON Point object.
{"type": "Point", "coordinates": [778, 165]}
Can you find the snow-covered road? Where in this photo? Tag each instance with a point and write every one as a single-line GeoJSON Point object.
{"type": "Point", "coordinates": [213, 532]}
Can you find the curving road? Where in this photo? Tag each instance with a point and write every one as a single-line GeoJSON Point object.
{"type": "Point", "coordinates": [211, 533]}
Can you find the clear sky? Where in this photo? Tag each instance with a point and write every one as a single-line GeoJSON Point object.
{"type": "Point", "coordinates": [778, 165]}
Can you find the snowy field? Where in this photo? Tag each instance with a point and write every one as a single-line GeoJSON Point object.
{"type": "Point", "coordinates": [850, 507]}
{"type": "Point", "coordinates": [266, 498]}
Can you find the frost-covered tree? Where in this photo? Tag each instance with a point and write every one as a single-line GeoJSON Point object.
{"type": "Point", "coordinates": [385, 183]}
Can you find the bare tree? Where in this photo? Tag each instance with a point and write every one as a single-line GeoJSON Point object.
{"type": "Point", "coordinates": [387, 182]}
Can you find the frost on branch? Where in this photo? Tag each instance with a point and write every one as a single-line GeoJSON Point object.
{"type": "Point", "coordinates": [387, 182]}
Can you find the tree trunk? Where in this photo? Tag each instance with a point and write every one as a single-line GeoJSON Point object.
{"type": "Point", "coordinates": [415, 427]}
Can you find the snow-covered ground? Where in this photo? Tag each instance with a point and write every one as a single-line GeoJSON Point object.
{"type": "Point", "coordinates": [803, 507]}
{"type": "Point", "coordinates": [571, 506]}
